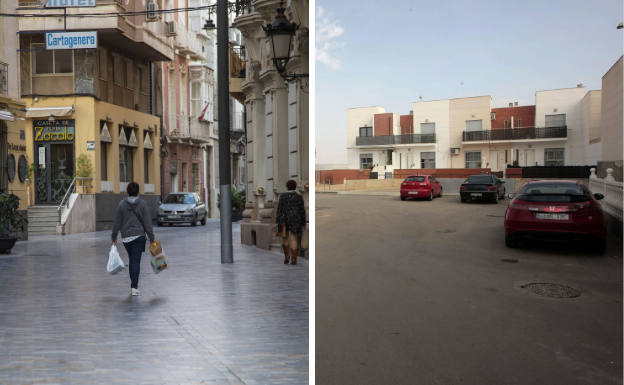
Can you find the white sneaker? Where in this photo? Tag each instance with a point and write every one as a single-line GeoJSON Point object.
{"type": "Point", "coordinates": [135, 292]}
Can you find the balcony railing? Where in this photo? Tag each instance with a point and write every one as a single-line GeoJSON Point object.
{"type": "Point", "coordinates": [515, 134]}
{"type": "Point", "coordinates": [237, 62]}
{"type": "Point", "coordinates": [394, 139]}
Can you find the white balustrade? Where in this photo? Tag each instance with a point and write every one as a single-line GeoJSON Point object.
{"type": "Point", "coordinates": [612, 191]}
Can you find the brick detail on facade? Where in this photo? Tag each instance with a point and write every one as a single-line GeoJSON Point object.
{"type": "Point", "coordinates": [383, 124]}
{"type": "Point", "coordinates": [526, 114]}
{"type": "Point", "coordinates": [407, 124]}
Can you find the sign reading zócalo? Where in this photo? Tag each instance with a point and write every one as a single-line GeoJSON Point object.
{"type": "Point", "coordinates": [71, 40]}
{"type": "Point", "coordinates": [70, 3]}
{"type": "Point", "coordinates": [62, 130]}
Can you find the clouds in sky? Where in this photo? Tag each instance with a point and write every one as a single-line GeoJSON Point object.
{"type": "Point", "coordinates": [327, 33]}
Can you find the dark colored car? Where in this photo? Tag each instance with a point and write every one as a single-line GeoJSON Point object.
{"type": "Point", "coordinates": [420, 186]}
{"type": "Point", "coordinates": [182, 207]}
{"type": "Point", "coordinates": [555, 210]}
{"type": "Point", "coordinates": [483, 187]}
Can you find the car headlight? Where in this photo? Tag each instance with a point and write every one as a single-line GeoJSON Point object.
{"type": "Point", "coordinates": [160, 210]}
{"type": "Point", "coordinates": [188, 211]}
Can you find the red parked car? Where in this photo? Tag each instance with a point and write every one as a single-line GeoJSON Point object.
{"type": "Point", "coordinates": [420, 186]}
{"type": "Point", "coordinates": [555, 210]}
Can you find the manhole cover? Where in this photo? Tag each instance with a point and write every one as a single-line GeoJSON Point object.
{"type": "Point", "coordinates": [553, 290]}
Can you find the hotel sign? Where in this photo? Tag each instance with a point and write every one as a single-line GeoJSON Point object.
{"type": "Point", "coordinates": [70, 3]}
{"type": "Point", "coordinates": [57, 131]}
{"type": "Point", "coordinates": [71, 40]}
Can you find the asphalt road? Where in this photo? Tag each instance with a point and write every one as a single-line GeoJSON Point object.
{"type": "Point", "coordinates": [420, 292]}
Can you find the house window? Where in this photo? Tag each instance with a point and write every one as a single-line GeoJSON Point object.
{"type": "Point", "coordinates": [506, 124]}
{"type": "Point", "coordinates": [389, 159]}
{"type": "Point", "coordinates": [506, 156]}
{"type": "Point", "coordinates": [519, 123]}
{"type": "Point", "coordinates": [427, 160]}
{"type": "Point", "coordinates": [553, 157]}
{"type": "Point", "coordinates": [493, 115]}
{"type": "Point", "coordinates": [195, 172]}
{"type": "Point", "coordinates": [103, 161]}
{"type": "Point", "coordinates": [473, 159]}
{"type": "Point", "coordinates": [366, 131]}
{"type": "Point", "coordinates": [427, 128]}
{"type": "Point", "coordinates": [146, 156]}
{"type": "Point", "coordinates": [474, 125]}
{"type": "Point", "coordinates": [126, 165]}
{"type": "Point", "coordinates": [366, 161]}
{"type": "Point", "coordinates": [52, 61]}
{"type": "Point", "coordinates": [558, 120]}
{"type": "Point", "coordinates": [196, 99]}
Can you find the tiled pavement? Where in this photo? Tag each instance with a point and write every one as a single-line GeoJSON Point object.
{"type": "Point", "coordinates": [65, 320]}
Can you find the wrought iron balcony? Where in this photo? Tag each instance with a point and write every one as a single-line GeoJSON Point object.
{"type": "Point", "coordinates": [394, 139]}
{"type": "Point", "coordinates": [522, 133]}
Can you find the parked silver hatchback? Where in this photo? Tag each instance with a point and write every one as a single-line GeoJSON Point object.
{"type": "Point", "coordinates": [182, 207]}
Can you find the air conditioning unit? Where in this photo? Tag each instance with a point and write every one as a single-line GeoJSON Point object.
{"type": "Point", "coordinates": [171, 28]}
{"type": "Point", "coordinates": [455, 151]}
{"type": "Point", "coordinates": [151, 15]}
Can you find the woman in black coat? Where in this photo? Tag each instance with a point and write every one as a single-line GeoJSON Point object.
{"type": "Point", "coordinates": [291, 220]}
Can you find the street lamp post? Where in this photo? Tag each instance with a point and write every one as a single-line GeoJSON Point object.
{"type": "Point", "coordinates": [225, 189]}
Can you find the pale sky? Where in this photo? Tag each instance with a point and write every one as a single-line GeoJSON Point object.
{"type": "Point", "coordinates": [388, 53]}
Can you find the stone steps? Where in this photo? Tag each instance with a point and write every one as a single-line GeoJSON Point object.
{"type": "Point", "coordinates": [42, 220]}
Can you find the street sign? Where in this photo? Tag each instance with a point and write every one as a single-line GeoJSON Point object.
{"type": "Point", "coordinates": [71, 40]}
{"type": "Point", "coordinates": [70, 3]}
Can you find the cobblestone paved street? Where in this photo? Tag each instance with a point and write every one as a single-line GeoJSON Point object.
{"type": "Point", "coordinates": [65, 320]}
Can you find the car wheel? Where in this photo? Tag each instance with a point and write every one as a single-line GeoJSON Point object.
{"type": "Point", "coordinates": [430, 195]}
{"type": "Point", "coordinates": [402, 198]}
{"type": "Point", "coordinates": [203, 221]}
{"type": "Point", "coordinates": [194, 223]}
{"type": "Point", "coordinates": [600, 246]}
{"type": "Point", "coordinates": [463, 199]}
{"type": "Point", "coordinates": [495, 200]}
{"type": "Point", "coordinates": [510, 241]}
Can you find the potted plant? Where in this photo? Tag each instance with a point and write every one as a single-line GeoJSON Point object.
{"type": "Point", "coordinates": [238, 204]}
{"type": "Point", "coordinates": [11, 221]}
{"type": "Point", "coordinates": [84, 168]}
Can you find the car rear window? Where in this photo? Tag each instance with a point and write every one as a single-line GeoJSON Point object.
{"type": "Point", "coordinates": [479, 179]}
{"type": "Point", "coordinates": [553, 192]}
{"type": "Point", "coordinates": [415, 179]}
{"type": "Point", "coordinates": [180, 198]}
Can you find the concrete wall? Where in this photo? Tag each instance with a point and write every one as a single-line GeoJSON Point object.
{"type": "Point", "coordinates": [590, 115]}
{"type": "Point", "coordinates": [462, 110]}
{"type": "Point", "coordinates": [565, 101]}
{"type": "Point", "coordinates": [438, 112]}
{"type": "Point", "coordinates": [81, 218]}
{"type": "Point", "coordinates": [612, 120]}
{"type": "Point", "coordinates": [356, 118]}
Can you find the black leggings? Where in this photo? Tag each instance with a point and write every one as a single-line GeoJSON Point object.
{"type": "Point", "coordinates": [135, 249]}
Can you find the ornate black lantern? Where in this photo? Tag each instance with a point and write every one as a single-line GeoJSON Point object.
{"type": "Point", "coordinates": [281, 32]}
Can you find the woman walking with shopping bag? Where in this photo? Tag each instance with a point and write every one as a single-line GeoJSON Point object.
{"type": "Point", "coordinates": [133, 219]}
{"type": "Point", "coordinates": [291, 221]}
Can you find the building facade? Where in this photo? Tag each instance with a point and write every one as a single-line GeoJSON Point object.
{"type": "Point", "coordinates": [96, 104]}
{"type": "Point", "coordinates": [469, 133]}
{"type": "Point", "coordinates": [276, 113]}
{"type": "Point", "coordinates": [14, 159]}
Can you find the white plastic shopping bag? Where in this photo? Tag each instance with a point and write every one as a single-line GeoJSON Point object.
{"type": "Point", "coordinates": [115, 263]}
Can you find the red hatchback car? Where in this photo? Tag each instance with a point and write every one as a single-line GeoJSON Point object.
{"type": "Point", "coordinates": [420, 186]}
{"type": "Point", "coordinates": [555, 210]}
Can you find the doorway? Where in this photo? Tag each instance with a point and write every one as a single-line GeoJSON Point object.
{"type": "Point", "coordinates": [54, 173]}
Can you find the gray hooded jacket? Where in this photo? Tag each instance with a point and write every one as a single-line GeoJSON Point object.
{"type": "Point", "coordinates": [128, 223]}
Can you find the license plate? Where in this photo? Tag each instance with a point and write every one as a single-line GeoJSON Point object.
{"type": "Point", "coordinates": [555, 216]}
{"type": "Point", "coordinates": [476, 194]}
{"type": "Point", "coordinates": [173, 216]}
{"type": "Point", "coordinates": [413, 192]}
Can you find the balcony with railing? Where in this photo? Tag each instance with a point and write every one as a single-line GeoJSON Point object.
{"type": "Point", "coordinates": [512, 134]}
{"type": "Point", "coordinates": [386, 140]}
{"type": "Point", "coordinates": [237, 72]}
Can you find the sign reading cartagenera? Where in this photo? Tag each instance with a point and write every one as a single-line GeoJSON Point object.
{"type": "Point", "coordinates": [70, 3]}
{"type": "Point", "coordinates": [56, 131]}
{"type": "Point", "coordinates": [71, 40]}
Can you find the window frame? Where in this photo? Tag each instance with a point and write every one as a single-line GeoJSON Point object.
{"type": "Point", "coordinates": [425, 162]}
{"type": "Point", "coordinates": [53, 73]}
{"type": "Point", "coordinates": [366, 156]}
{"type": "Point", "coordinates": [427, 124]}
{"type": "Point", "coordinates": [467, 162]}
{"type": "Point", "coordinates": [555, 162]}
{"type": "Point", "coordinates": [368, 131]}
